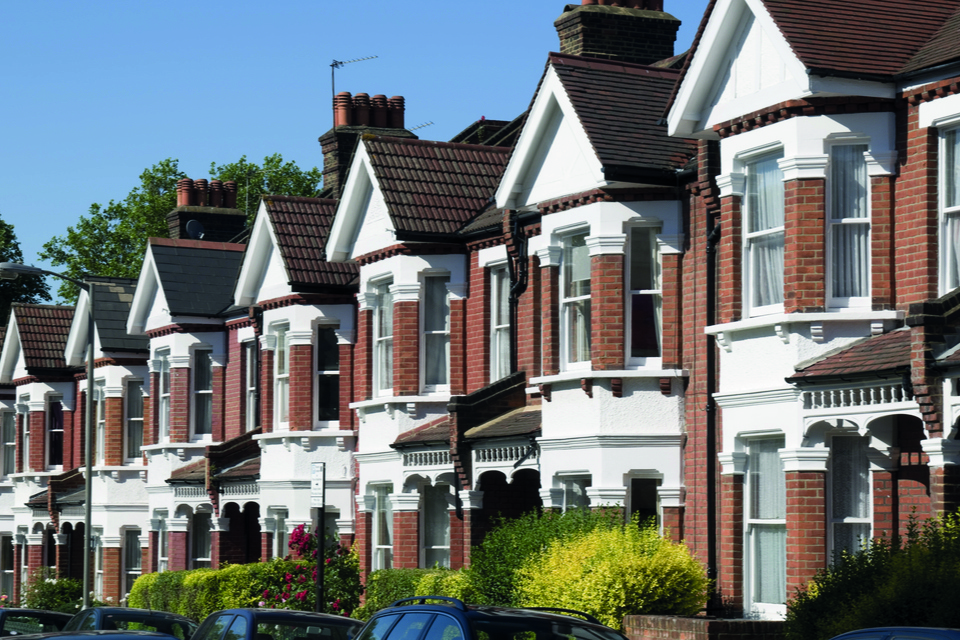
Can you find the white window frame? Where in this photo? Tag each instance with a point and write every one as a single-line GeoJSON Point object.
{"type": "Point", "coordinates": [836, 484]}
{"type": "Point", "coordinates": [949, 247]}
{"type": "Point", "coordinates": [132, 560]}
{"type": "Point", "coordinates": [832, 224]}
{"type": "Point", "coordinates": [281, 376]}
{"type": "Point", "coordinates": [435, 333]}
{"type": "Point", "coordinates": [100, 411]}
{"type": "Point", "coordinates": [382, 556]}
{"type": "Point", "coordinates": [48, 449]}
{"type": "Point", "coordinates": [326, 374]}
{"type": "Point", "coordinates": [751, 526]}
{"type": "Point", "coordinates": [25, 440]}
{"type": "Point", "coordinates": [198, 561]}
{"type": "Point", "coordinates": [251, 378]}
{"type": "Point", "coordinates": [163, 394]}
{"type": "Point", "coordinates": [133, 424]}
{"type": "Point", "coordinates": [575, 491]}
{"type": "Point", "coordinates": [201, 357]}
{"type": "Point", "coordinates": [499, 327]}
{"type": "Point", "coordinates": [163, 542]}
{"type": "Point", "coordinates": [443, 548]}
{"type": "Point", "coordinates": [8, 441]}
{"type": "Point", "coordinates": [753, 237]}
{"type": "Point", "coordinates": [382, 342]}
{"type": "Point", "coordinates": [7, 555]}
{"type": "Point", "coordinates": [656, 293]}
{"type": "Point", "coordinates": [98, 564]}
{"type": "Point", "coordinates": [568, 304]}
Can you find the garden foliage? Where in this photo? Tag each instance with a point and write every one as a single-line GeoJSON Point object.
{"type": "Point", "coordinates": [386, 586]}
{"type": "Point", "coordinates": [45, 590]}
{"type": "Point", "coordinates": [908, 581]}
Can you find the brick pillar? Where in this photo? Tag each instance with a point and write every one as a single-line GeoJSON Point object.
{"type": "Point", "coordinates": [944, 466]}
{"type": "Point", "coordinates": [477, 326]}
{"type": "Point", "coordinates": [177, 545]}
{"type": "Point", "coordinates": [180, 399]}
{"type": "Point", "coordinates": [406, 530]}
{"type": "Point", "coordinates": [730, 556]}
{"type": "Point", "coordinates": [805, 473]}
{"type": "Point", "coordinates": [216, 540]}
{"type": "Point", "coordinates": [607, 346]}
{"type": "Point", "coordinates": [363, 352]}
{"type": "Point", "coordinates": [730, 252]}
{"type": "Point", "coordinates": [550, 309]}
{"type": "Point", "coordinates": [38, 437]}
{"type": "Point", "coordinates": [268, 347]}
{"type": "Point", "coordinates": [113, 429]}
{"type": "Point", "coordinates": [406, 340]}
{"type": "Point", "coordinates": [881, 242]}
{"type": "Point", "coordinates": [266, 545]}
{"type": "Point", "coordinates": [363, 530]}
{"type": "Point", "coordinates": [528, 322]}
{"type": "Point", "coordinates": [151, 553]}
{"type": "Point", "coordinates": [302, 370]}
{"type": "Point", "coordinates": [151, 407]}
{"type": "Point", "coordinates": [34, 553]}
{"type": "Point", "coordinates": [112, 570]}
{"type": "Point", "coordinates": [218, 371]}
{"type": "Point", "coordinates": [469, 533]}
{"type": "Point", "coordinates": [804, 266]}
{"type": "Point", "coordinates": [63, 554]}
{"type": "Point", "coordinates": [458, 339]}
{"type": "Point", "coordinates": [885, 507]}
{"type": "Point", "coordinates": [347, 383]}
{"type": "Point", "coordinates": [671, 315]}
{"type": "Point", "coordinates": [17, 568]}
{"type": "Point", "coordinates": [71, 431]}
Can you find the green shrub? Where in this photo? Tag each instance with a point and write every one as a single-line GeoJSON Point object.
{"type": "Point", "coordinates": [453, 584]}
{"type": "Point", "coordinates": [909, 581]}
{"type": "Point", "coordinates": [614, 572]}
{"type": "Point", "coordinates": [386, 586]}
{"type": "Point", "coordinates": [495, 562]}
{"type": "Point", "coordinates": [139, 597]}
{"type": "Point", "coordinates": [45, 590]}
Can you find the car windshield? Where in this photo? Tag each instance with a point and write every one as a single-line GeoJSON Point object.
{"type": "Point", "coordinates": [530, 628]}
{"type": "Point", "coordinates": [293, 631]}
{"type": "Point", "coordinates": [180, 629]}
{"type": "Point", "coordinates": [21, 624]}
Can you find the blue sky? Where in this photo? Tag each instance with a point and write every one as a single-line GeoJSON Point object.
{"type": "Point", "coordinates": [96, 91]}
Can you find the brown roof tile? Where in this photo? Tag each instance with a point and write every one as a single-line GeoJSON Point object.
{"type": "Point", "coordinates": [301, 226]}
{"type": "Point", "coordinates": [436, 431]}
{"type": "Point", "coordinates": [883, 353]}
{"type": "Point", "coordinates": [434, 187]}
{"type": "Point", "coordinates": [194, 472]}
{"type": "Point", "coordinates": [519, 422]}
{"type": "Point", "coordinates": [246, 469]}
{"type": "Point", "coordinates": [43, 331]}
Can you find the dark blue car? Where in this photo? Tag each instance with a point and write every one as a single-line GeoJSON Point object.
{"type": "Point", "coordinates": [275, 624]}
{"type": "Point", "coordinates": [901, 633]}
{"type": "Point", "coordinates": [126, 619]}
{"type": "Point", "coordinates": [18, 622]}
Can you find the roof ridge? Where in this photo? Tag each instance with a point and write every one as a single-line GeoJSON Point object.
{"type": "Point", "coordinates": [283, 198]}
{"type": "Point", "coordinates": [437, 143]}
{"type": "Point", "coordinates": [185, 243]}
{"type": "Point", "coordinates": [600, 64]}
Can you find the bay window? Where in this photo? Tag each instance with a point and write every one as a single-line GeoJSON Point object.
{"type": "Point", "coordinates": [848, 226]}
{"type": "Point", "coordinates": [252, 372]}
{"type": "Point", "coordinates": [382, 527]}
{"type": "Point", "coordinates": [499, 323]}
{"type": "Point", "coordinates": [163, 355]}
{"type": "Point", "coordinates": [575, 302]}
{"type": "Point", "coordinates": [763, 234]}
{"type": "Point", "coordinates": [575, 493]}
{"type": "Point", "coordinates": [850, 519]}
{"type": "Point", "coordinates": [644, 303]}
{"type": "Point", "coordinates": [950, 211]}
{"type": "Point", "coordinates": [436, 333]}
{"type": "Point", "coordinates": [8, 440]}
{"type": "Point", "coordinates": [6, 566]}
{"type": "Point", "coordinates": [436, 525]}
{"type": "Point", "coordinates": [100, 412]}
{"type": "Point", "coordinates": [133, 427]}
{"type": "Point", "coordinates": [281, 376]}
{"type": "Point", "coordinates": [200, 540]}
{"type": "Point", "coordinates": [55, 432]}
{"type": "Point", "coordinates": [328, 375]}
{"type": "Point", "coordinates": [765, 522]}
{"type": "Point", "coordinates": [383, 339]}
{"type": "Point", "coordinates": [131, 559]}
{"type": "Point", "coordinates": [202, 392]}
{"type": "Point", "coordinates": [25, 427]}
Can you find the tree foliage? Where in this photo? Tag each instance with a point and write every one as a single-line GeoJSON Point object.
{"type": "Point", "coordinates": [111, 240]}
{"type": "Point", "coordinates": [24, 289]}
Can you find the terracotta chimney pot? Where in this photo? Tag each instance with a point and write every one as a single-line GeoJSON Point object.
{"type": "Point", "coordinates": [343, 109]}
{"type": "Point", "coordinates": [230, 194]}
{"type": "Point", "coordinates": [395, 107]}
{"type": "Point", "coordinates": [216, 193]}
{"type": "Point", "coordinates": [200, 190]}
{"type": "Point", "coordinates": [378, 111]}
{"type": "Point", "coordinates": [184, 192]}
{"type": "Point", "coordinates": [361, 109]}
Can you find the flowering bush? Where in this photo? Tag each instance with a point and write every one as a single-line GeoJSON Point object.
{"type": "Point", "coordinates": [46, 590]}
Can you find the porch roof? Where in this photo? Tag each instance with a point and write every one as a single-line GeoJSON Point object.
{"type": "Point", "coordinates": [877, 355]}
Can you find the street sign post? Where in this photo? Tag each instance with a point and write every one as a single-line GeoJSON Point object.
{"type": "Point", "coordinates": [318, 489]}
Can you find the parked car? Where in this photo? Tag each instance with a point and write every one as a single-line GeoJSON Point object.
{"type": "Point", "coordinates": [17, 622]}
{"type": "Point", "coordinates": [275, 624]}
{"type": "Point", "coordinates": [125, 619]}
{"type": "Point", "coordinates": [102, 634]}
{"type": "Point", "coordinates": [440, 618]}
{"type": "Point", "coordinates": [901, 633]}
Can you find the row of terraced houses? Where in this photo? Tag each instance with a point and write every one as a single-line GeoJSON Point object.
{"type": "Point", "coordinates": [717, 288]}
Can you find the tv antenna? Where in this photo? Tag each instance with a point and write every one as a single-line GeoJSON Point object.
{"type": "Point", "coordinates": [336, 64]}
{"type": "Point", "coordinates": [421, 126]}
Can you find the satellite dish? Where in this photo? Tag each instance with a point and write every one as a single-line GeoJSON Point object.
{"type": "Point", "coordinates": [195, 230]}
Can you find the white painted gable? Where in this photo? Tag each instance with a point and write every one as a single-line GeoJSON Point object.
{"type": "Point", "coordinates": [11, 355]}
{"type": "Point", "coordinates": [362, 223]}
{"type": "Point", "coordinates": [76, 350]}
{"type": "Point", "coordinates": [149, 309]}
{"type": "Point", "coordinates": [553, 157]}
{"type": "Point", "coordinates": [263, 275]}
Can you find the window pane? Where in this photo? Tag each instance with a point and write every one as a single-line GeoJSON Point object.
{"type": "Point", "coordinates": [642, 259]}
{"type": "Point", "coordinates": [952, 169]}
{"type": "Point", "coordinates": [56, 433]}
{"type": "Point", "coordinates": [851, 477]}
{"type": "Point", "coordinates": [767, 483]}
{"type": "Point", "coordinates": [202, 371]}
{"type": "Point", "coordinates": [9, 442]}
{"type": "Point", "coordinates": [134, 433]}
{"type": "Point", "coordinates": [328, 397]}
{"type": "Point", "coordinates": [437, 355]}
{"type": "Point", "coordinates": [850, 536]}
{"type": "Point", "coordinates": [770, 575]}
{"type": "Point", "coordinates": [578, 338]}
{"type": "Point", "coordinates": [645, 329]}
{"type": "Point", "coordinates": [436, 315]}
{"type": "Point", "coordinates": [576, 267]}
{"type": "Point", "coordinates": [765, 193]}
{"type": "Point", "coordinates": [951, 232]}
{"type": "Point", "coordinates": [283, 399]}
{"type": "Point", "coordinates": [437, 517]}
{"type": "Point", "coordinates": [850, 260]}
{"type": "Point", "coordinates": [385, 363]}
{"type": "Point", "coordinates": [766, 258]}
{"type": "Point", "coordinates": [848, 182]}
{"type": "Point", "coordinates": [328, 350]}
{"type": "Point", "coordinates": [283, 352]}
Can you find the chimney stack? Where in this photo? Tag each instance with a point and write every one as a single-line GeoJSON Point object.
{"type": "Point", "coordinates": [623, 30]}
{"type": "Point", "coordinates": [214, 207]}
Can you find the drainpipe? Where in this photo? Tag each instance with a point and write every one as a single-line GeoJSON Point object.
{"type": "Point", "coordinates": [517, 271]}
{"type": "Point", "coordinates": [714, 606]}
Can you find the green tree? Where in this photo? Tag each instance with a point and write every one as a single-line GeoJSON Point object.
{"type": "Point", "coordinates": [111, 240]}
{"type": "Point", "coordinates": [24, 289]}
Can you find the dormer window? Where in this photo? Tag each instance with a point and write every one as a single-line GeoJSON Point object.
{"type": "Point", "coordinates": [764, 233]}
{"type": "Point", "coordinates": [848, 226]}
{"type": "Point", "coordinates": [575, 302]}
{"type": "Point", "coordinates": [436, 333]}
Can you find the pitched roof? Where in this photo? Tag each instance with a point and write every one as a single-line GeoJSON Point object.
{"type": "Point", "coordinates": [194, 472]}
{"type": "Point", "coordinates": [878, 354]}
{"type": "Point", "coordinates": [432, 432]}
{"type": "Point", "coordinates": [113, 298]}
{"type": "Point", "coordinates": [519, 422]}
{"type": "Point", "coordinates": [434, 187]}
{"type": "Point", "coordinates": [246, 469]}
{"type": "Point", "coordinates": [301, 226]}
{"type": "Point", "coordinates": [620, 106]}
{"type": "Point", "coordinates": [197, 277]}
{"type": "Point", "coordinates": [43, 331]}
{"type": "Point", "coordinates": [885, 36]}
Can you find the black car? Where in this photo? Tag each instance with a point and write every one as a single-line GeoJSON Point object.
{"type": "Point", "coordinates": [18, 622]}
{"type": "Point", "coordinates": [124, 619]}
{"type": "Point", "coordinates": [103, 634]}
{"type": "Point", "coordinates": [901, 633]}
{"type": "Point", "coordinates": [439, 618]}
{"type": "Point", "coordinates": [275, 624]}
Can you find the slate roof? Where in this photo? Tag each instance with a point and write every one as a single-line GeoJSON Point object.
{"type": "Point", "coordinates": [434, 187]}
{"type": "Point", "coordinates": [885, 353]}
{"type": "Point", "coordinates": [302, 226]}
{"type": "Point", "coordinates": [432, 432]}
{"type": "Point", "coordinates": [43, 331]}
{"type": "Point", "coordinates": [197, 277]}
{"type": "Point", "coordinates": [620, 106]}
{"type": "Point", "coordinates": [112, 300]}
{"type": "Point", "coordinates": [491, 218]}
{"type": "Point", "coordinates": [519, 422]}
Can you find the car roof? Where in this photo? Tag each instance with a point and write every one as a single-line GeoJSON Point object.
{"type": "Point", "coordinates": [20, 612]}
{"type": "Point", "coordinates": [293, 615]}
{"type": "Point", "coordinates": [937, 632]}
{"type": "Point", "coordinates": [114, 634]}
{"type": "Point", "coordinates": [156, 613]}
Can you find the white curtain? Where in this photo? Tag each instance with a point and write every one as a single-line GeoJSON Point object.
{"type": "Point", "coordinates": [436, 329]}
{"type": "Point", "coordinates": [951, 219]}
{"type": "Point", "coordinates": [765, 197]}
{"type": "Point", "coordinates": [9, 442]}
{"type": "Point", "coordinates": [850, 493]}
{"type": "Point", "coordinates": [952, 169]}
{"type": "Point", "coordinates": [384, 337]}
{"type": "Point", "coordinates": [501, 322]}
{"type": "Point", "coordinates": [768, 501]}
{"type": "Point", "coordinates": [849, 221]}
{"type": "Point", "coordinates": [436, 530]}
{"type": "Point", "coordinates": [383, 515]}
{"type": "Point", "coordinates": [578, 323]}
{"type": "Point", "coordinates": [134, 433]}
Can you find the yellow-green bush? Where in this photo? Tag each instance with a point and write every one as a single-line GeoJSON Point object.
{"type": "Point", "coordinates": [386, 586]}
{"type": "Point", "coordinates": [614, 572]}
{"type": "Point", "coordinates": [453, 584]}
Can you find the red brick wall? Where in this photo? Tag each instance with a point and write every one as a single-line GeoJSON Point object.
{"type": "Point", "coordinates": [71, 431]}
{"type": "Point", "coordinates": [112, 568]}
{"type": "Point", "coordinates": [806, 526]}
{"type": "Point", "coordinates": [804, 262]}
{"type": "Point", "coordinates": [218, 390]}
{"type": "Point", "coordinates": [363, 357]}
{"type": "Point", "coordinates": [730, 269]}
{"type": "Point", "coordinates": [607, 349]}
{"type": "Point", "coordinates": [266, 389]}
{"type": "Point", "coordinates": [676, 628]}
{"type": "Point", "coordinates": [180, 402]}
{"type": "Point", "coordinates": [478, 326]}
{"type": "Point", "coordinates": [881, 242]}
{"type": "Point", "coordinates": [216, 539]}
{"type": "Point", "coordinates": [235, 405]}
{"type": "Point", "coordinates": [671, 323]}
{"type": "Point", "coordinates": [362, 525]}
{"type": "Point", "coordinates": [884, 505]}
{"type": "Point", "coordinates": [673, 523]}
{"type": "Point", "coordinates": [151, 416]}
{"type": "Point", "coordinates": [348, 419]}
{"type": "Point", "coordinates": [406, 539]}
{"type": "Point", "coordinates": [406, 348]}
{"type": "Point", "coordinates": [177, 550]}
{"type": "Point", "coordinates": [301, 387]}
{"type": "Point", "coordinates": [150, 553]}
{"type": "Point", "coordinates": [529, 316]}
{"type": "Point", "coordinates": [37, 441]}
{"type": "Point", "coordinates": [34, 558]}
{"type": "Point", "coordinates": [113, 432]}
{"type": "Point", "coordinates": [945, 489]}
{"type": "Point", "coordinates": [266, 545]}
{"type": "Point", "coordinates": [730, 571]}
{"type": "Point", "coordinates": [458, 346]}
{"type": "Point", "coordinates": [550, 319]}
{"type": "Point", "coordinates": [459, 540]}
{"type": "Point", "coordinates": [17, 570]}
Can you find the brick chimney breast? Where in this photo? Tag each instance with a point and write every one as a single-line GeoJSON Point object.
{"type": "Point", "coordinates": [221, 220]}
{"type": "Point", "coordinates": [635, 31]}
